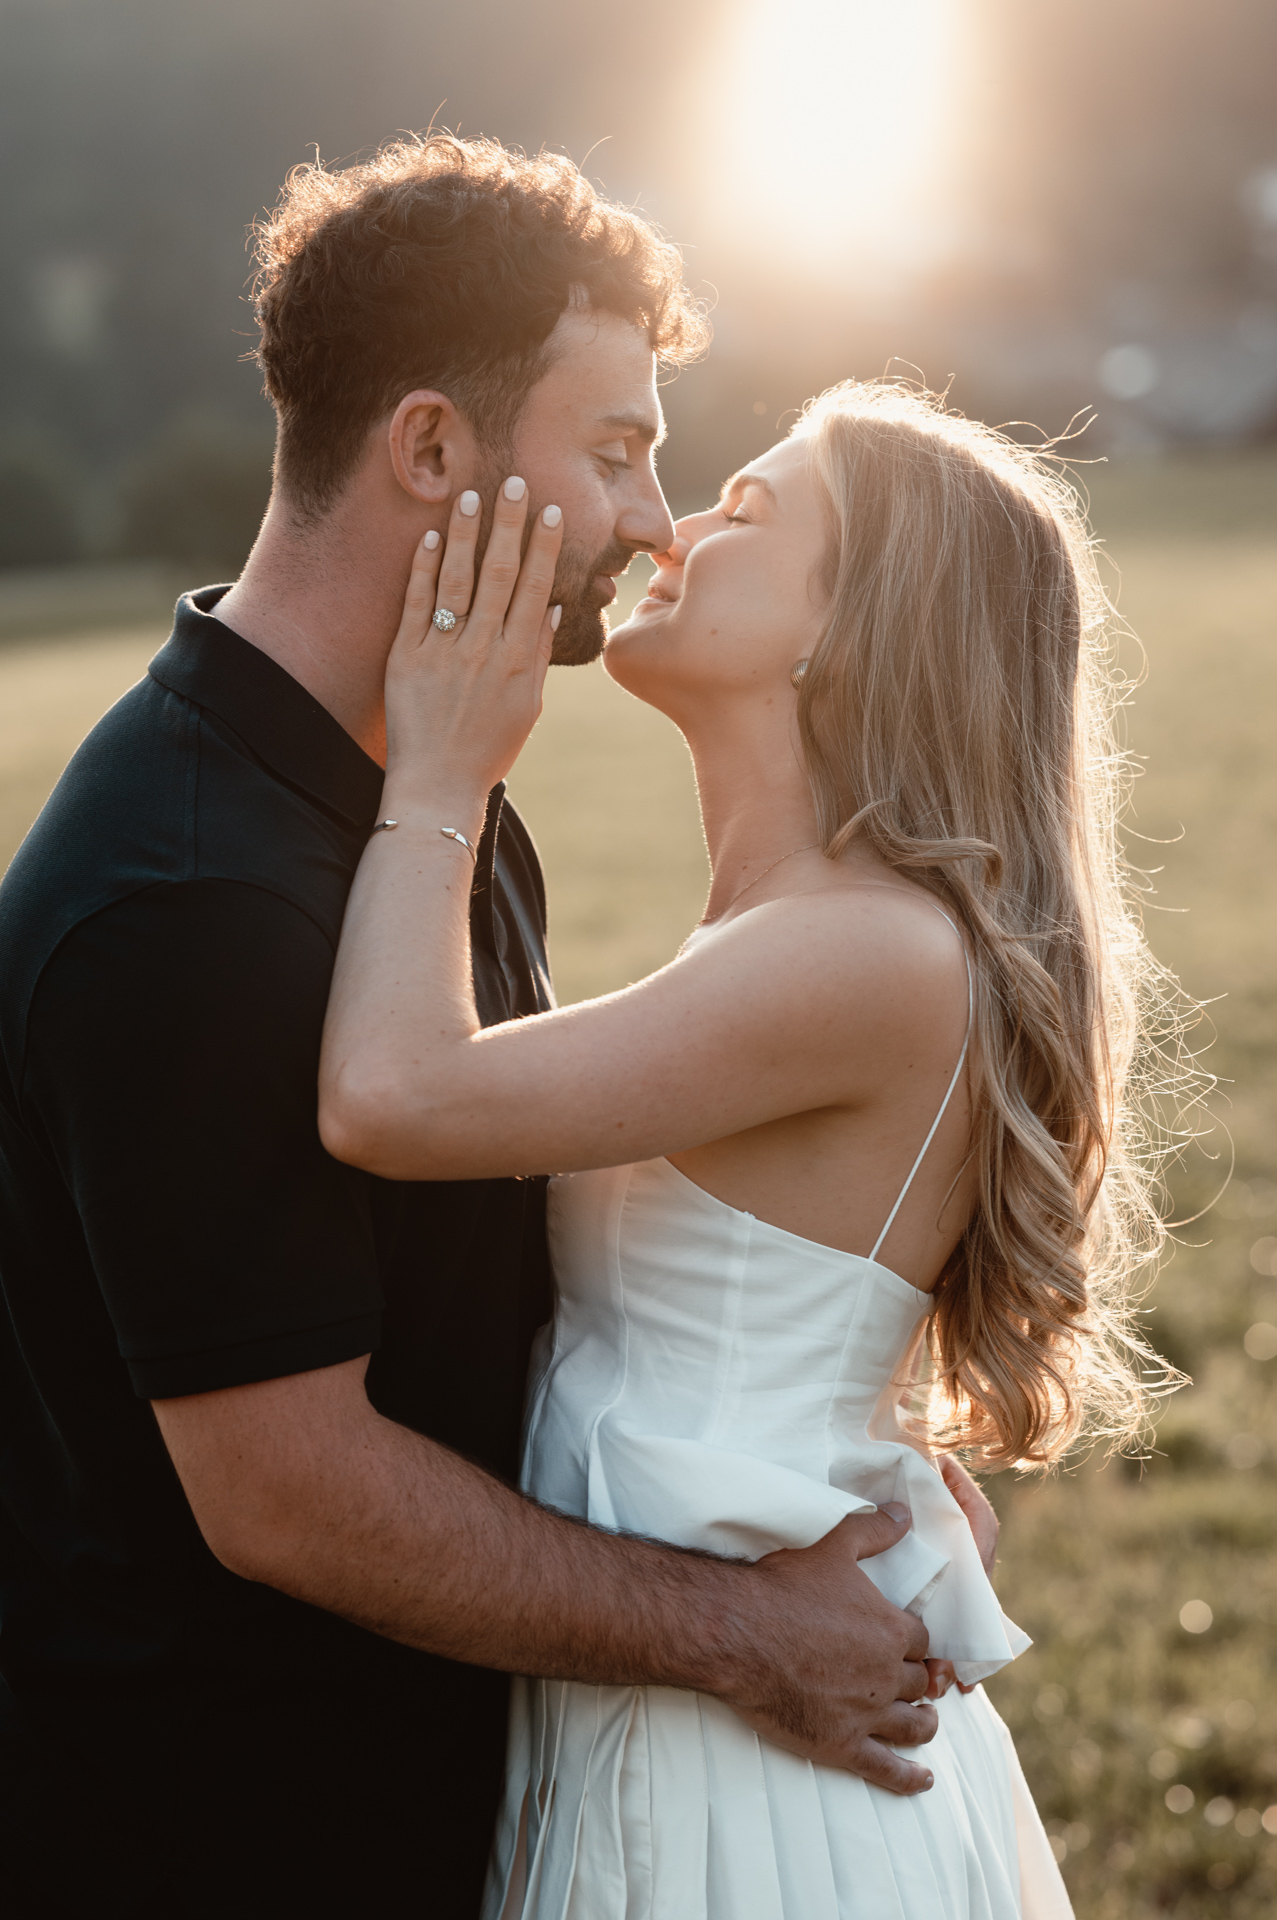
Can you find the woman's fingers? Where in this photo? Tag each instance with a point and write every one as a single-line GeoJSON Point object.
{"type": "Point", "coordinates": [500, 568]}
{"type": "Point", "coordinates": [530, 602]}
{"type": "Point", "coordinates": [456, 576]}
{"type": "Point", "coordinates": [512, 596]}
{"type": "Point", "coordinates": [980, 1515]}
{"type": "Point", "coordinates": [423, 584]}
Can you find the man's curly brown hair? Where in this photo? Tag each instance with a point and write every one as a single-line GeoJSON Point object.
{"type": "Point", "coordinates": [440, 263]}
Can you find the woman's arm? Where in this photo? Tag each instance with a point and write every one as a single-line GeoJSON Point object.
{"type": "Point", "coordinates": [795, 1006]}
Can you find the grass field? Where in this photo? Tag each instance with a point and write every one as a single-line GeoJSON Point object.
{"type": "Point", "coordinates": [1151, 1744]}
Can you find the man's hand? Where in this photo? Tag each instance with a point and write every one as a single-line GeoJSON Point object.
{"type": "Point", "coordinates": [852, 1676]}
{"type": "Point", "coordinates": [299, 1483]}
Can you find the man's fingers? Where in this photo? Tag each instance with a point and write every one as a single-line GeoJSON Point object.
{"type": "Point", "coordinates": [500, 567]}
{"type": "Point", "coordinates": [907, 1725]}
{"type": "Point", "coordinates": [914, 1680]}
{"type": "Point", "coordinates": [918, 1643]}
{"type": "Point", "coordinates": [456, 577]}
{"type": "Point", "coordinates": [874, 1532]}
{"type": "Point", "coordinates": [883, 1768]}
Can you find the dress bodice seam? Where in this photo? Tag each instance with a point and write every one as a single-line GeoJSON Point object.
{"type": "Point", "coordinates": [815, 1246]}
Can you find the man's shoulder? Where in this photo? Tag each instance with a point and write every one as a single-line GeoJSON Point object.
{"type": "Point", "coordinates": [113, 823]}
{"type": "Point", "coordinates": [159, 794]}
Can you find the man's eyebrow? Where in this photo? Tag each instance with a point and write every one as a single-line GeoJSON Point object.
{"type": "Point", "coordinates": [651, 433]}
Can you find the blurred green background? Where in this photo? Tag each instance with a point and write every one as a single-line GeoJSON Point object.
{"type": "Point", "coordinates": [1060, 207]}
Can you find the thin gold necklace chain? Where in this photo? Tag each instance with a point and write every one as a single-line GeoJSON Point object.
{"type": "Point", "coordinates": [812, 846]}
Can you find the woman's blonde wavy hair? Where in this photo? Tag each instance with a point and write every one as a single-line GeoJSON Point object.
{"type": "Point", "coordinates": [957, 715]}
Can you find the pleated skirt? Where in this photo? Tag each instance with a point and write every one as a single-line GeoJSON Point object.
{"type": "Point", "coordinates": [646, 1803]}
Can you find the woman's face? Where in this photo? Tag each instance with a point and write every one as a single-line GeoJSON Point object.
{"type": "Point", "coordinates": [737, 599]}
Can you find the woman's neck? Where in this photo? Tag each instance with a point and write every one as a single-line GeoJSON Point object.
{"type": "Point", "coordinates": [756, 804]}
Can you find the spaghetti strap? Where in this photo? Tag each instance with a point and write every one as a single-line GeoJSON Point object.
{"type": "Point", "coordinates": [944, 1104]}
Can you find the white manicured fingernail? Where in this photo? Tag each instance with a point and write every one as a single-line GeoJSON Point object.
{"type": "Point", "coordinates": [431, 541]}
{"type": "Point", "coordinates": [514, 488]}
{"type": "Point", "coordinates": [552, 516]}
{"type": "Point", "coordinates": [556, 614]}
{"type": "Point", "coordinates": [469, 503]}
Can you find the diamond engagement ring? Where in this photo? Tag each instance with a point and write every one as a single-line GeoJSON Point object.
{"type": "Point", "coordinates": [444, 619]}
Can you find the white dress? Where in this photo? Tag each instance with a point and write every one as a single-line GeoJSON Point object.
{"type": "Point", "coordinates": [720, 1383]}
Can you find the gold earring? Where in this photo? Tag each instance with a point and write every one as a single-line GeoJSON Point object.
{"type": "Point", "coordinates": [796, 673]}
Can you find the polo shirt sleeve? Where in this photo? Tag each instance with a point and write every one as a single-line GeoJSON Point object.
{"type": "Point", "coordinates": [171, 1066]}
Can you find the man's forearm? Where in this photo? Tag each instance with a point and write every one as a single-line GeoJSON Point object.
{"type": "Point", "coordinates": [433, 1551]}
{"type": "Point", "coordinates": [300, 1484]}
{"type": "Point", "coordinates": [365, 1518]}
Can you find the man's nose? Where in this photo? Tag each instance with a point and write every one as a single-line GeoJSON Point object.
{"type": "Point", "coordinates": [646, 523]}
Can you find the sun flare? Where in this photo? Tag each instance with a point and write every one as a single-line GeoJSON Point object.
{"type": "Point", "coordinates": [831, 125]}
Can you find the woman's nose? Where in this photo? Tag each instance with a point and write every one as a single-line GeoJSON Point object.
{"type": "Point", "coordinates": [674, 555]}
{"type": "Point", "coordinates": [693, 527]}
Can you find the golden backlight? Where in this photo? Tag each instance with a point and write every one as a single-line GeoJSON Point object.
{"type": "Point", "coordinates": [832, 127]}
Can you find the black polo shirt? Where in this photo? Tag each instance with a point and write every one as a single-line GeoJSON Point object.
{"type": "Point", "coordinates": [172, 1738]}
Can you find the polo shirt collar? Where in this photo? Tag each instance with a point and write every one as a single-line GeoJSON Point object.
{"type": "Point", "coordinates": [273, 714]}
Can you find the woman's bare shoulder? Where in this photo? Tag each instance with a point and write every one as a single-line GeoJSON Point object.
{"type": "Point", "coordinates": [846, 930]}
{"type": "Point", "coordinates": [871, 964]}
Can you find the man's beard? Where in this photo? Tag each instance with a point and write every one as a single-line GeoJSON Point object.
{"type": "Point", "coordinates": [583, 628]}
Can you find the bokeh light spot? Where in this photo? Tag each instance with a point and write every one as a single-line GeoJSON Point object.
{"type": "Point", "coordinates": [1244, 1450]}
{"type": "Point", "coordinates": [1261, 1340]}
{"type": "Point", "coordinates": [1263, 1255]}
{"type": "Point", "coordinates": [1129, 372]}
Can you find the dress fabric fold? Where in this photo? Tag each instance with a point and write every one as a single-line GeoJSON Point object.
{"type": "Point", "coordinates": [718, 1382]}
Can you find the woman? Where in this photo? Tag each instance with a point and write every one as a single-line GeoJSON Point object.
{"type": "Point", "coordinates": [848, 1182]}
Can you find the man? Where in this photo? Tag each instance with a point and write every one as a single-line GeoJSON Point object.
{"type": "Point", "coordinates": [260, 1590]}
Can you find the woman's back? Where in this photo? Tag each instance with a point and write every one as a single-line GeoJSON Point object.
{"type": "Point", "coordinates": [894, 1005]}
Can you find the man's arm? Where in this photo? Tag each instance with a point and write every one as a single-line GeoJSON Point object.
{"type": "Point", "coordinates": [300, 1484]}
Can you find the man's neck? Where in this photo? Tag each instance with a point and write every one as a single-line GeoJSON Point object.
{"type": "Point", "coordinates": [325, 605]}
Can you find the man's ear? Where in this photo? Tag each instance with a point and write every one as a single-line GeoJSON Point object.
{"type": "Point", "coordinates": [432, 447]}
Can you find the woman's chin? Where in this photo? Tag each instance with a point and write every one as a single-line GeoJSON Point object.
{"type": "Point", "coordinates": [632, 655]}
{"type": "Point", "coordinates": [643, 617]}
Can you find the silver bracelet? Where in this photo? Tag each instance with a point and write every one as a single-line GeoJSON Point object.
{"type": "Point", "coordinates": [450, 833]}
